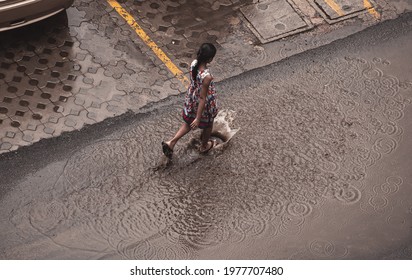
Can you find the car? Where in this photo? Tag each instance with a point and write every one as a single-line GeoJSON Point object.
{"type": "Point", "coordinates": [17, 13]}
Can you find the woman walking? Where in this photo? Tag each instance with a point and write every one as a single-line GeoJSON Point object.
{"type": "Point", "coordinates": [200, 107]}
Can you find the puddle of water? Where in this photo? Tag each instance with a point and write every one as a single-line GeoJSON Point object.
{"type": "Point", "coordinates": [222, 133]}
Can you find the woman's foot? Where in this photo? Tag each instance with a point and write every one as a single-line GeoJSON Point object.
{"type": "Point", "coordinates": [167, 150]}
{"type": "Point", "coordinates": [210, 144]}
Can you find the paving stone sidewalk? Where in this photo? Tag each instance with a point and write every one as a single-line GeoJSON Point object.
{"type": "Point", "coordinates": [70, 71]}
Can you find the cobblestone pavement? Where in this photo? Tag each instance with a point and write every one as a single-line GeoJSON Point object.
{"type": "Point", "coordinates": [72, 70]}
{"type": "Point", "coordinates": [87, 65]}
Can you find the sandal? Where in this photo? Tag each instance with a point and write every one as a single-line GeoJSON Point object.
{"type": "Point", "coordinates": [205, 151]}
{"type": "Point", "coordinates": [167, 150]}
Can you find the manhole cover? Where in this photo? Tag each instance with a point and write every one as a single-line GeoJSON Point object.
{"type": "Point", "coordinates": [272, 20]}
{"type": "Point", "coordinates": [337, 10]}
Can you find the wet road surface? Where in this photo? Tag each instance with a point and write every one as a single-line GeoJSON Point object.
{"type": "Point", "coordinates": [319, 169]}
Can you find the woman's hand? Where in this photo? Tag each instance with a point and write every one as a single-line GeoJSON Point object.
{"type": "Point", "coordinates": [195, 123]}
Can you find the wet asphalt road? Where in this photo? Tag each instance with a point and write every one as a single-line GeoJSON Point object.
{"type": "Point", "coordinates": [320, 169]}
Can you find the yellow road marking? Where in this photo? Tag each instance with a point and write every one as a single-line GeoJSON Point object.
{"type": "Point", "coordinates": [149, 42]}
{"type": "Point", "coordinates": [368, 6]}
{"type": "Point", "coordinates": [371, 9]}
{"type": "Point", "coordinates": [335, 7]}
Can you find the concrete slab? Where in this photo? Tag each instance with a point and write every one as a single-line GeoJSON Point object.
{"type": "Point", "coordinates": [337, 10]}
{"type": "Point", "coordinates": [273, 20]}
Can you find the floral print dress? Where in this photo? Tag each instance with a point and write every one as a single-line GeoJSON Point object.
{"type": "Point", "coordinates": [192, 99]}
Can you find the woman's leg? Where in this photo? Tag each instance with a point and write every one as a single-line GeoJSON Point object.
{"type": "Point", "coordinates": [183, 130]}
{"type": "Point", "coordinates": [205, 136]}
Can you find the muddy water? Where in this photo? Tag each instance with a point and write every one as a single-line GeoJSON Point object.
{"type": "Point", "coordinates": [319, 169]}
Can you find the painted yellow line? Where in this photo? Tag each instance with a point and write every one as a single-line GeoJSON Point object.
{"type": "Point", "coordinates": [371, 9]}
{"type": "Point", "coordinates": [149, 42]}
{"type": "Point", "coordinates": [335, 7]}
